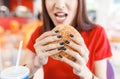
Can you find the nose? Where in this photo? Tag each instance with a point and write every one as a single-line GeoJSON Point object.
{"type": "Point", "coordinates": [60, 4]}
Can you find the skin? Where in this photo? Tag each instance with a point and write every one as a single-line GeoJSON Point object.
{"type": "Point", "coordinates": [64, 8]}
{"type": "Point", "coordinates": [62, 12]}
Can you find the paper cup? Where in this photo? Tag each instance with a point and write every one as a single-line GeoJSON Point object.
{"type": "Point", "coordinates": [19, 72]}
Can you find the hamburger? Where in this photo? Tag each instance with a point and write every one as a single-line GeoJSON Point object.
{"type": "Point", "coordinates": [65, 31]}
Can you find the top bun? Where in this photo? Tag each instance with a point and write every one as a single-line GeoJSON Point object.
{"type": "Point", "coordinates": [65, 31]}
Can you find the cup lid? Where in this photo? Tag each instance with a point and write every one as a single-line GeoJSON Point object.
{"type": "Point", "coordinates": [18, 72]}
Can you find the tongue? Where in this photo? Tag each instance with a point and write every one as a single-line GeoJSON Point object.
{"type": "Point", "coordinates": [60, 19]}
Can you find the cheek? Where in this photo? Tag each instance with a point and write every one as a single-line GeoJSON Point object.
{"type": "Point", "coordinates": [74, 9]}
{"type": "Point", "coordinates": [48, 9]}
{"type": "Point", "coordinates": [74, 5]}
{"type": "Point", "coordinates": [49, 5]}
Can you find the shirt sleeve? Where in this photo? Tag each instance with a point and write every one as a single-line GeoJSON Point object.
{"type": "Point", "coordinates": [34, 36]}
{"type": "Point", "coordinates": [102, 48]}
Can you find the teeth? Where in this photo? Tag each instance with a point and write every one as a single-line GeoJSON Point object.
{"type": "Point", "coordinates": [60, 14]}
{"type": "Point", "coordinates": [60, 17]}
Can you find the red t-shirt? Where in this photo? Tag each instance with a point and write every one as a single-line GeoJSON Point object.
{"type": "Point", "coordinates": [97, 43]}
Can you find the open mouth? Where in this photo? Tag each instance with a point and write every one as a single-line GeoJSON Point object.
{"type": "Point", "coordinates": [60, 14]}
{"type": "Point", "coordinates": [60, 17]}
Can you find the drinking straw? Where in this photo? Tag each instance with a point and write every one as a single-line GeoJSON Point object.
{"type": "Point", "coordinates": [19, 53]}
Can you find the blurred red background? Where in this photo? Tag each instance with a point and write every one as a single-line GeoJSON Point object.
{"type": "Point", "coordinates": [14, 3]}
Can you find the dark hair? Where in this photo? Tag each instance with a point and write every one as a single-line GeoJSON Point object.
{"type": "Point", "coordinates": [81, 21]}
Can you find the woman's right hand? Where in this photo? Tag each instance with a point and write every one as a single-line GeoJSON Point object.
{"type": "Point", "coordinates": [44, 48]}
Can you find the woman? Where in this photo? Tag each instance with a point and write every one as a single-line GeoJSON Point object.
{"type": "Point", "coordinates": [96, 50]}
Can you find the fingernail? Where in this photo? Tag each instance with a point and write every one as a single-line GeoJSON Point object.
{"type": "Point", "coordinates": [64, 49]}
{"type": "Point", "coordinates": [56, 31]}
{"type": "Point", "coordinates": [59, 36]}
{"type": "Point", "coordinates": [59, 48]}
{"type": "Point", "coordinates": [60, 56]}
{"type": "Point", "coordinates": [61, 43]}
{"type": "Point", "coordinates": [24, 64]}
{"type": "Point", "coordinates": [67, 42]}
{"type": "Point", "coordinates": [71, 35]}
{"type": "Point", "coordinates": [73, 59]}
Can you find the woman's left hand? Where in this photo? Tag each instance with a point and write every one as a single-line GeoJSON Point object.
{"type": "Point", "coordinates": [81, 55]}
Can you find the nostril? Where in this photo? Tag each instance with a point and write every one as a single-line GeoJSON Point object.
{"type": "Point", "coordinates": [60, 6]}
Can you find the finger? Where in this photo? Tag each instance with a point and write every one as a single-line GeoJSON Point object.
{"type": "Point", "coordinates": [48, 33]}
{"type": "Point", "coordinates": [50, 47]}
{"type": "Point", "coordinates": [53, 46]}
{"type": "Point", "coordinates": [75, 47]}
{"type": "Point", "coordinates": [47, 48]}
{"type": "Point", "coordinates": [48, 53]}
{"type": "Point", "coordinates": [49, 39]}
{"type": "Point", "coordinates": [71, 63]}
{"type": "Point", "coordinates": [75, 55]}
{"type": "Point", "coordinates": [79, 41]}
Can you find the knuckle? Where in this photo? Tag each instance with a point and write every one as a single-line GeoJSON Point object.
{"type": "Point", "coordinates": [36, 40]}
{"type": "Point", "coordinates": [87, 58]}
{"type": "Point", "coordinates": [35, 45]}
{"type": "Point", "coordinates": [51, 39]}
{"type": "Point", "coordinates": [47, 46]}
{"type": "Point", "coordinates": [77, 55]}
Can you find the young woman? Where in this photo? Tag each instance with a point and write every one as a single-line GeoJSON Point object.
{"type": "Point", "coordinates": [95, 48]}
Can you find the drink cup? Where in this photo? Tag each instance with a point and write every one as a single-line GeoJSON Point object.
{"type": "Point", "coordinates": [15, 72]}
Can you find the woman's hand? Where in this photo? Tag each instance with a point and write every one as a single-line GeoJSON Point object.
{"type": "Point", "coordinates": [44, 48]}
{"type": "Point", "coordinates": [81, 56]}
